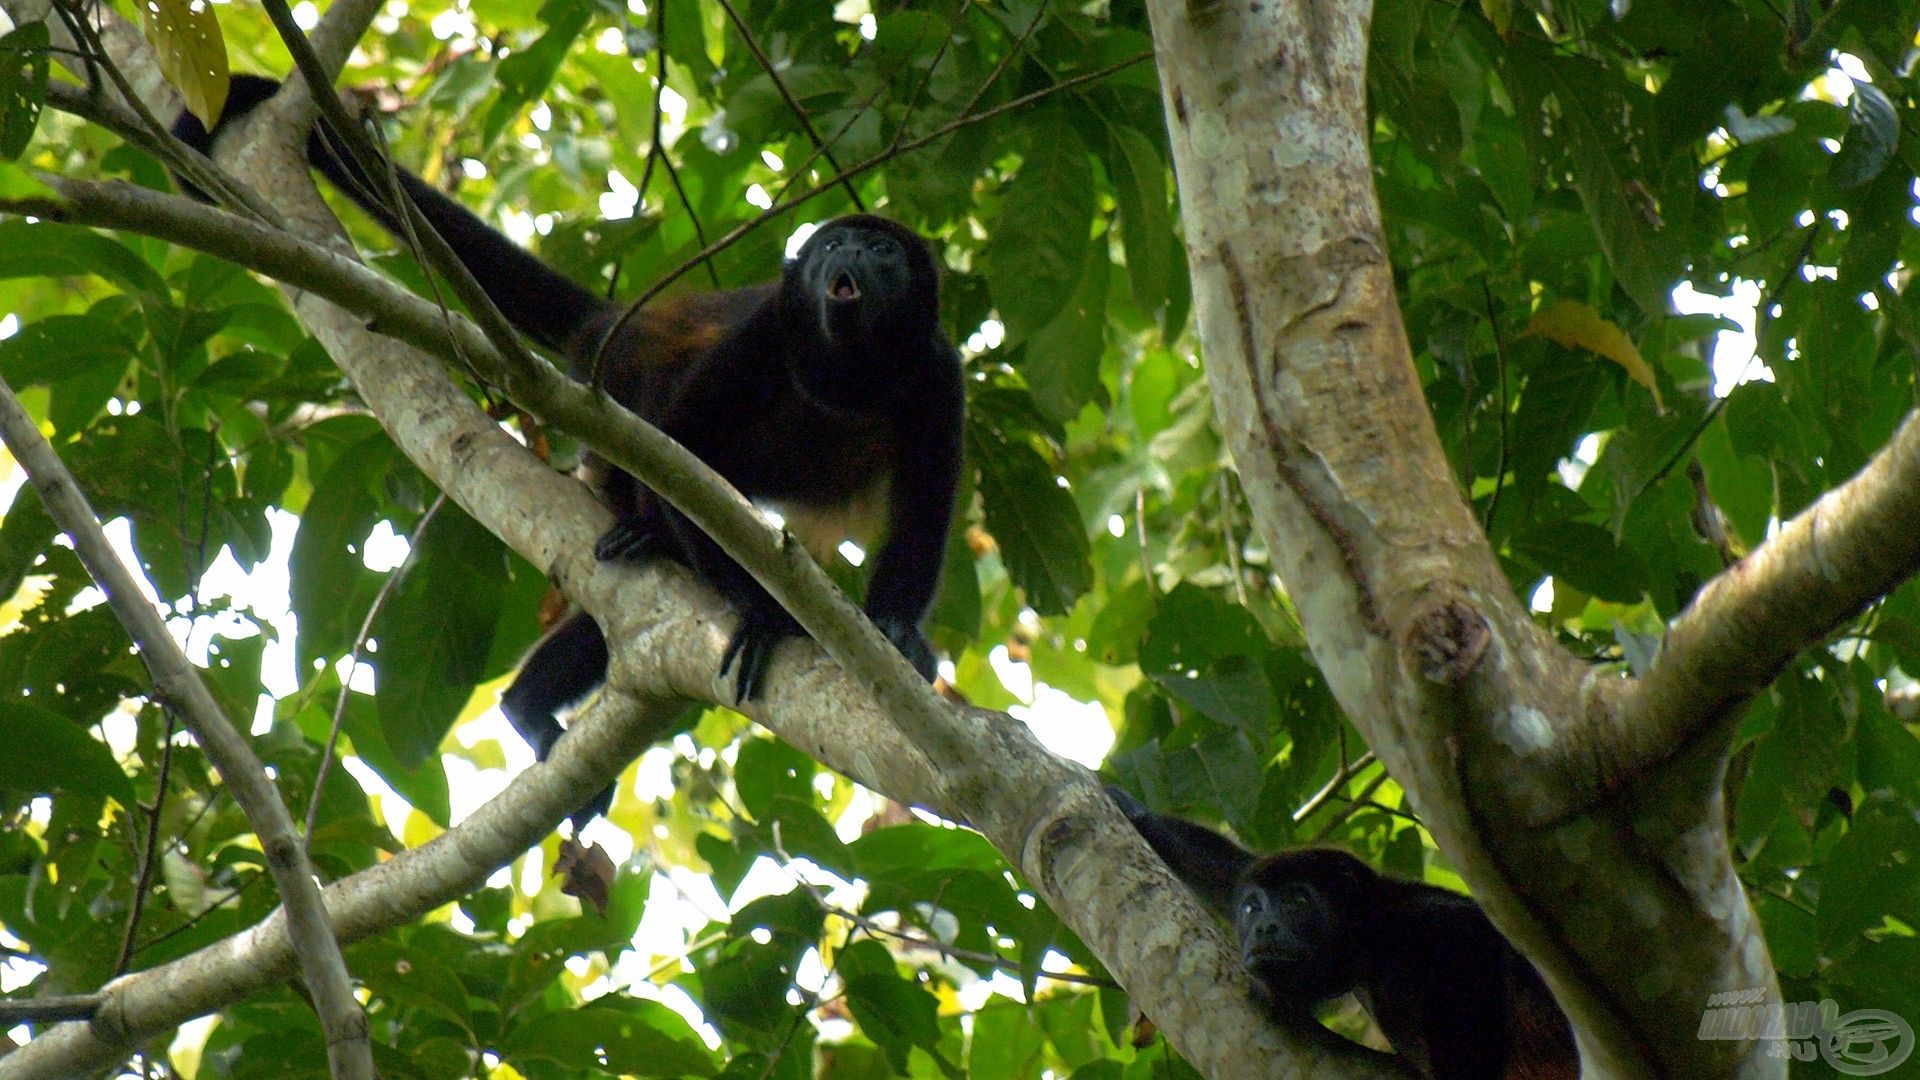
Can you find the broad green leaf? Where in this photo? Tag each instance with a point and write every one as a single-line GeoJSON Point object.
{"type": "Point", "coordinates": [1038, 248]}
{"type": "Point", "coordinates": [618, 1034]}
{"type": "Point", "coordinates": [48, 752]}
{"type": "Point", "coordinates": [1062, 358]}
{"type": "Point", "coordinates": [1873, 131]}
{"type": "Point", "coordinates": [525, 74]}
{"type": "Point", "coordinates": [436, 631]}
{"type": "Point", "coordinates": [892, 1011]}
{"type": "Point", "coordinates": [1140, 186]}
{"type": "Point", "coordinates": [23, 90]}
{"type": "Point", "coordinates": [1032, 518]}
{"type": "Point", "coordinates": [17, 184]}
{"type": "Point", "coordinates": [186, 40]}
{"type": "Point", "coordinates": [327, 563]}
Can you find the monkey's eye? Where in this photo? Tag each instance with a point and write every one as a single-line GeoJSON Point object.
{"type": "Point", "coordinates": [1293, 896]}
{"type": "Point", "coordinates": [830, 243]}
{"type": "Point", "coordinates": [885, 245]}
{"type": "Point", "coordinates": [1253, 904]}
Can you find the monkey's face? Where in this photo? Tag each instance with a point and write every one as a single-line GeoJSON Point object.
{"type": "Point", "coordinates": [868, 279]}
{"type": "Point", "coordinates": [1295, 914]}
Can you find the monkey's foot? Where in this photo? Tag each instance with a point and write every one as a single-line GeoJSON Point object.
{"type": "Point", "coordinates": [912, 643]}
{"type": "Point", "coordinates": [632, 539]}
{"type": "Point", "coordinates": [763, 626]}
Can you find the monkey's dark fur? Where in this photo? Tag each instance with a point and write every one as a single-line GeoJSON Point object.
{"type": "Point", "coordinates": [831, 394]}
{"type": "Point", "coordinates": [1446, 989]}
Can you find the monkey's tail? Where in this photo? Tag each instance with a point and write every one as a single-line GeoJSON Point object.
{"type": "Point", "coordinates": [538, 300]}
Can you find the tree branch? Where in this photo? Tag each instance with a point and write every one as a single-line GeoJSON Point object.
{"type": "Point", "coordinates": [793, 103]}
{"type": "Point", "coordinates": [1497, 734]}
{"type": "Point", "coordinates": [178, 685]}
{"type": "Point", "coordinates": [1855, 544]}
{"type": "Point", "coordinates": [1047, 815]}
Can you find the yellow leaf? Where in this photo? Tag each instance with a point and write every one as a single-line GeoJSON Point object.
{"type": "Point", "coordinates": [1500, 14]}
{"type": "Point", "coordinates": [1577, 325]}
{"type": "Point", "coordinates": [192, 53]}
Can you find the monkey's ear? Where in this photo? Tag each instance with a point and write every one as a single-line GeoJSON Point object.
{"type": "Point", "coordinates": [1209, 863]}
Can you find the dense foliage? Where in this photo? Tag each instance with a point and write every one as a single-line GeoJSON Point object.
{"type": "Point", "coordinates": [1548, 175]}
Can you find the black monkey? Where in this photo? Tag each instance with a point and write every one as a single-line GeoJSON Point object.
{"type": "Point", "coordinates": [1446, 989]}
{"type": "Point", "coordinates": [831, 394]}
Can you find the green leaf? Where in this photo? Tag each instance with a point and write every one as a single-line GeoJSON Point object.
{"type": "Point", "coordinates": [1140, 186]}
{"type": "Point", "coordinates": [436, 631]}
{"type": "Point", "coordinates": [47, 249]}
{"type": "Point", "coordinates": [1873, 873]}
{"type": "Point", "coordinates": [20, 186]}
{"type": "Point", "coordinates": [1598, 122]}
{"type": "Point", "coordinates": [23, 89]}
{"type": "Point", "coordinates": [1192, 630]}
{"type": "Point", "coordinates": [1873, 131]}
{"type": "Point", "coordinates": [192, 53]}
{"type": "Point", "coordinates": [47, 753]}
{"type": "Point", "coordinates": [61, 347]}
{"type": "Point", "coordinates": [327, 562]}
{"type": "Point", "coordinates": [616, 1034]}
{"type": "Point", "coordinates": [896, 1014]}
{"type": "Point", "coordinates": [1062, 359]}
{"type": "Point", "coordinates": [1006, 1043]}
{"type": "Point", "coordinates": [1753, 129]}
{"type": "Point", "coordinates": [768, 769]}
{"type": "Point", "coordinates": [525, 75]}
{"type": "Point", "coordinates": [1041, 236]}
{"type": "Point", "coordinates": [1031, 517]}
{"type": "Point", "coordinates": [1233, 690]}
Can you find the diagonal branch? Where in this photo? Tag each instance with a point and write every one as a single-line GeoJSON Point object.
{"type": "Point", "coordinates": [1855, 544]}
{"type": "Point", "coordinates": [178, 685]}
{"type": "Point", "coordinates": [1045, 814]}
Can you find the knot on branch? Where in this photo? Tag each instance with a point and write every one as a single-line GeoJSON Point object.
{"type": "Point", "coordinates": [1447, 640]}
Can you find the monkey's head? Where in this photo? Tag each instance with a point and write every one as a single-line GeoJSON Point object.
{"type": "Point", "coordinates": [866, 282]}
{"type": "Point", "coordinates": [1294, 915]}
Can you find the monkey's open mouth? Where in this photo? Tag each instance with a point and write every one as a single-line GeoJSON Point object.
{"type": "Point", "coordinates": [843, 287]}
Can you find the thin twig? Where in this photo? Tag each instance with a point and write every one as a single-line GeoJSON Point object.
{"type": "Point", "coordinates": [733, 235]}
{"type": "Point", "coordinates": [177, 683]}
{"type": "Point", "coordinates": [1331, 789]}
{"type": "Point", "coordinates": [786, 93]}
{"type": "Point", "coordinates": [149, 856]}
{"type": "Point", "coordinates": [1014, 50]}
{"type": "Point", "coordinates": [1232, 543]}
{"type": "Point", "coordinates": [47, 1009]}
{"type": "Point", "coordinates": [1360, 799]}
{"type": "Point", "coordinates": [226, 898]}
{"type": "Point", "coordinates": [1500, 364]}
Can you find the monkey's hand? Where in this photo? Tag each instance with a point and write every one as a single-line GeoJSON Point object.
{"type": "Point", "coordinates": [912, 643]}
{"type": "Point", "coordinates": [633, 538]}
{"type": "Point", "coordinates": [764, 624]}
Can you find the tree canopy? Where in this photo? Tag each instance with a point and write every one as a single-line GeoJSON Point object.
{"type": "Point", "coordinates": [1653, 262]}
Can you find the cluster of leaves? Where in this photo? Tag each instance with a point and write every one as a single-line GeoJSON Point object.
{"type": "Point", "coordinates": [1599, 167]}
{"type": "Point", "coordinates": [1547, 178]}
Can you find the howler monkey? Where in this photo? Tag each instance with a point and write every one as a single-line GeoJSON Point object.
{"type": "Point", "coordinates": [1452, 996]}
{"type": "Point", "coordinates": [831, 395]}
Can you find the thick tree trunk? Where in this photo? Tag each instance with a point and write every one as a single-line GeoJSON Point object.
{"type": "Point", "coordinates": [1624, 894]}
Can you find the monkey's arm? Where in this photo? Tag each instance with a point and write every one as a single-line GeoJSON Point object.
{"type": "Point", "coordinates": [1209, 863]}
{"type": "Point", "coordinates": [926, 478]}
